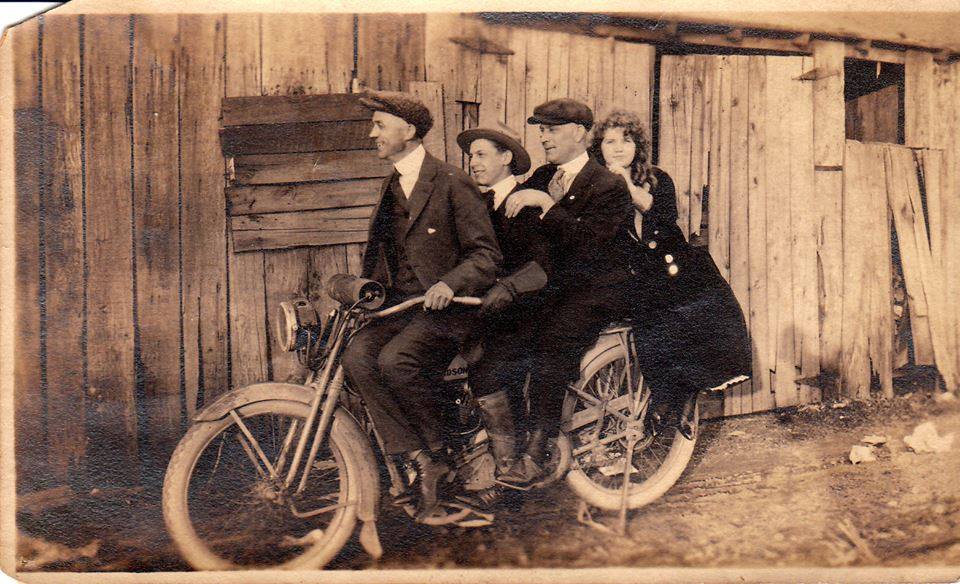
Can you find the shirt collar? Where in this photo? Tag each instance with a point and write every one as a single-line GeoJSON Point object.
{"type": "Point", "coordinates": [573, 167]}
{"type": "Point", "coordinates": [502, 189]}
{"type": "Point", "coordinates": [411, 163]}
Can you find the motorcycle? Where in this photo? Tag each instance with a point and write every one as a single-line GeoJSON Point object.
{"type": "Point", "coordinates": [276, 475]}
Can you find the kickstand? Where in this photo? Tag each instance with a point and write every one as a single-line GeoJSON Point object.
{"type": "Point", "coordinates": [584, 515]}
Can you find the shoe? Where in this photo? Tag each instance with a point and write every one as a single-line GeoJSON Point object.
{"type": "Point", "coordinates": [431, 471]}
{"type": "Point", "coordinates": [685, 417]}
{"type": "Point", "coordinates": [528, 469]}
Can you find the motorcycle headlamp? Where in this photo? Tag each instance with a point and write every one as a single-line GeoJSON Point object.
{"type": "Point", "coordinates": [298, 324]}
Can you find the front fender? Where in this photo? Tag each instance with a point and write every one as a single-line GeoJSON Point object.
{"type": "Point", "coordinates": [250, 394]}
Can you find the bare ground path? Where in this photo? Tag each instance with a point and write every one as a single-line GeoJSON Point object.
{"type": "Point", "coordinates": [767, 490]}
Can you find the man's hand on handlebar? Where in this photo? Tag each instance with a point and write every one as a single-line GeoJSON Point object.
{"type": "Point", "coordinates": [438, 297]}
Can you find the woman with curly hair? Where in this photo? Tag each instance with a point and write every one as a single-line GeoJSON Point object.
{"type": "Point", "coordinates": [690, 330]}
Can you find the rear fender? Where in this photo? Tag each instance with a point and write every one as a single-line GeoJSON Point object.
{"type": "Point", "coordinates": [609, 340]}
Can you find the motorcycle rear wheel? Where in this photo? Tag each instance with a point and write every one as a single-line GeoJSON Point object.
{"type": "Point", "coordinates": [222, 514]}
{"type": "Point", "coordinates": [599, 443]}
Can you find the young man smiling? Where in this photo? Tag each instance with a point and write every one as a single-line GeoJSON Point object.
{"type": "Point", "coordinates": [429, 235]}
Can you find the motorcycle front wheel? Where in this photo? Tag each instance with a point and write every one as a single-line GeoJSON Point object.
{"type": "Point", "coordinates": [224, 511]}
{"type": "Point", "coordinates": [601, 416]}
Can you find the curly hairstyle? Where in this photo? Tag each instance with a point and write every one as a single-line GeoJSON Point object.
{"type": "Point", "coordinates": [640, 168]}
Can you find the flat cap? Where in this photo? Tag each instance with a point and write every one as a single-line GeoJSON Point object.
{"type": "Point", "coordinates": [401, 105]}
{"type": "Point", "coordinates": [562, 111]}
{"type": "Point", "coordinates": [502, 135]}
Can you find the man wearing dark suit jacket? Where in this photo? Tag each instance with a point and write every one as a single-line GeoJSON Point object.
{"type": "Point", "coordinates": [496, 157]}
{"type": "Point", "coordinates": [583, 208]}
{"type": "Point", "coordinates": [430, 235]}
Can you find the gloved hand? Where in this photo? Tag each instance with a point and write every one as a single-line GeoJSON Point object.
{"type": "Point", "coordinates": [496, 299]}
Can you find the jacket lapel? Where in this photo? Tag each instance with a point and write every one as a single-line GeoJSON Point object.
{"type": "Point", "coordinates": [583, 178]}
{"type": "Point", "coordinates": [422, 189]}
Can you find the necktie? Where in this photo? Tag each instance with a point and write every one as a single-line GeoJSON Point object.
{"type": "Point", "coordinates": [555, 187]}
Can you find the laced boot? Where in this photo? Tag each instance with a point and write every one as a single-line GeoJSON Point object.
{"type": "Point", "coordinates": [431, 470]}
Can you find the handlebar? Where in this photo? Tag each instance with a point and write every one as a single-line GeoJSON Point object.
{"type": "Point", "coordinates": [465, 300]}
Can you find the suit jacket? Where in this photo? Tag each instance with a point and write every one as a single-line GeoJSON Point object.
{"type": "Point", "coordinates": [522, 241]}
{"type": "Point", "coordinates": [585, 230]}
{"type": "Point", "coordinates": [449, 236]}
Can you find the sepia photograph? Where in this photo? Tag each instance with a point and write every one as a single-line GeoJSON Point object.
{"type": "Point", "coordinates": [490, 292]}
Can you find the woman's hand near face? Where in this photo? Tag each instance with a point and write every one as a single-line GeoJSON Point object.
{"type": "Point", "coordinates": [639, 194]}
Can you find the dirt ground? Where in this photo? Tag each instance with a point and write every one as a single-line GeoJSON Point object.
{"type": "Point", "coordinates": [766, 490]}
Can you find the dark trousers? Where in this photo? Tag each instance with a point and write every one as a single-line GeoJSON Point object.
{"type": "Point", "coordinates": [549, 343]}
{"type": "Point", "coordinates": [393, 363]}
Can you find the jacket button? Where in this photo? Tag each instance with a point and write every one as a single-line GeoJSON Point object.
{"type": "Point", "coordinates": [578, 219]}
{"type": "Point", "coordinates": [652, 245]}
{"type": "Point", "coordinates": [673, 269]}
{"type": "Point", "coordinates": [668, 258]}
{"type": "Point", "coordinates": [572, 197]}
{"type": "Point", "coordinates": [656, 232]}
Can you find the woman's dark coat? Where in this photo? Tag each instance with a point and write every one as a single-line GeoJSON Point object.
{"type": "Point", "coordinates": [690, 330]}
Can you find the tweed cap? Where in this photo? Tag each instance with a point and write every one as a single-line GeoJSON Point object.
{"type": "Point", "coordinates": [502, 135]}
{"type": "Point", "coordinates": [562, 111]}
{"type": "Point", "coordinates": [401, 105]}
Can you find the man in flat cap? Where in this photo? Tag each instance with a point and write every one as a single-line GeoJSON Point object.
{"type": "Point", "coordinates": [496, 157]}
{"type": "Point", "coordinates": [430, 235]}
{"type": "Point", "coordinates": [583, 209]}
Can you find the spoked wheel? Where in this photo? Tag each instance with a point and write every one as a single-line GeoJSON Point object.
{"type": "Point", "coordinates": [604, 419]}
{"type": "Point", "coordinates": [224, 502]}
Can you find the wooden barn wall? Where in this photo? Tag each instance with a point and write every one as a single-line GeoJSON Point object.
{"type": "Point", "coordinates": [133, 308]}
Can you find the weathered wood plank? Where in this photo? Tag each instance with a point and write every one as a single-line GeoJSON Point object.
{"type": "Point", "coordinates": [780, 71]}
{"type": "Point", "coordinates": [493, 80]}
{"type": "Point", "coordinates": [156, 225]}
{"type": "Point", "coordinates": [249, 346]}
{"type": "Point", "coordinates": [112, 421]}
{"type": "Point", "coordinates": [719, 201]}
{"type": "Point", "coordinates": [431, 94]}
{"type": "Point", "coordinates": [828, 147]}
{"type": "Point", "coordinates": [601, 76]}
{"type": "Point", "coordinates": [442, 65]}
{"type": "Point", "coordinates": [698, 148]}
{"type": "Point", "coordinates": [804, 231]}
{"type": "Point", "coordinates": [710, 105]}
{"type": "Point", "coordinates": [671, 78]}
{"type": "Point", "coordinates": [860, 163]}
{"type": "Point", "coordinates": [558, 64]}
{"type": "Point", "coordinates": [287, 276]}
{"type": "Point", "coordinates": [880, 327]}
{"type": "Point", "coordinates": [516, 108]}
{"type": "Point", "coordinates": [903, 189]}
{"type": "Point", "coordinates": [390, 50]}
{"type": "Point", "coordinates": [581, 62]}
{"type": "Point", "coordinates": [828, 103]}
{"type": "Point", "coordinates": [29, 394]}
{"type": "Point", "coordinates": [302, 197]}
{"type": "Point", "coordinates": [918, 115]}
{"type": "Point", "coordinates": [279, 239]}
{"type": "Point", "coordinates": [297, 137]}
{"type": "Point", "coordinates": [264, 169]}
{"type": "Point", "coordinates": [633, 73]}
{"type": "Point", "coordinates": [761, 397]}
{"type": "Point", "coordinates": [203, 226]}
{"type": "Point", "coordinates": [739, 203]}
{"type": "Point", "coordinates": [535, 91]}
{"type": "Point", "coordinates": [468, 59]}
{"type": "Point", "coordinates": [318, 60]}
{"type": "Point", "coordinates": [348, 219]}
{"type": "Point", "coordinates": [251, 109]}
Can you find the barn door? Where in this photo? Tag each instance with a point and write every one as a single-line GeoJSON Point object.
{"type": "Point", "coordinates": [736, 135]}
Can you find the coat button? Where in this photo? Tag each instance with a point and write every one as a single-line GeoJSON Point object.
{"type": "Point", "coordinates": [652, 245]}
{"type": "Point", "coordinates": [673, 269]}
{"type": "Point", "coordinates": [668, 258]}
{"type": "Point", "coordinates": [572, 197]}
{"type": "Point", "coordinates": [656, 232]}
{"type": "Point", "coordinates": [578, 219]}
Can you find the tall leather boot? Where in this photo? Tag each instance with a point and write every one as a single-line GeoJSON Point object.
{"type": "Point", "coordinates": [497, 417]}
{"type": "Point", "coordinates": [528, 469]}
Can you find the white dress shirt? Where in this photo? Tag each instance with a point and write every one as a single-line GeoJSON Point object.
{"type": "Point", "coordinates": [502, 189]}
{"type": "Point", "coordinates": [409, 169]}
{"type": "Point", "coordinates": [572, 168]}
